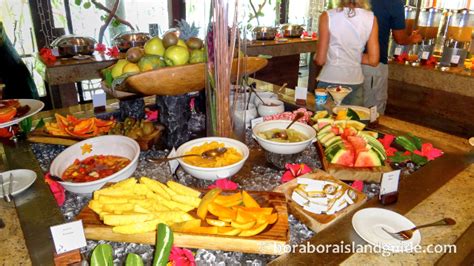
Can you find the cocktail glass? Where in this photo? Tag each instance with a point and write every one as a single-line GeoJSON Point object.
{"type": "Point", "coordinates": [338, 93]}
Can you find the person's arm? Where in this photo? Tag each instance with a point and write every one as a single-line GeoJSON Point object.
{"type": "Point", "coordinates": [372, 56]}
{"type": "Point", "coordinates": [401, 37]}
{"type": "Point", "coordinates": [323, 40]}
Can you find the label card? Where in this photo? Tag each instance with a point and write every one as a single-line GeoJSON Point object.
{"type": "Point", "coordinates": [425, 55]}
{"type": "Point", "coordinates": [398, 51]}
{"type": "Point", "coordinates": [173, 163]}
{"type": "Point", "coordinates": [99, 99]}
{"type": "Point", "coordinates": [256, 121]}
{"type": "Point", "coordinates": [68, 236]}
{"type": "Point", "coordinates": [389, 182]}
{"type": "Point", "coordinates": [455, 59]}
{"type": "Point", "coordinates": [301, 94]}
{"type": "Point", "coordinates": [373, 113]}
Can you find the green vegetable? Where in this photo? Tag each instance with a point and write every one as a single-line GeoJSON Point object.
{"type": "Point", "coordinates": [399, 157]}
{"type": "Point", "coordinates": [26, 125]}
{"type": "Point", "coordinates": [416, 140]}
{"type": "Point", "coordinates": [133, 260]}
{"type": "Point", "coordinates": [164, 241]}
{"type": "Point", "coordinates": [102, 255]}
{"type": "Point", "coordinates": [352, 114]}
{"type": "Point", "coordinates": [405, 143]}
{"type": "Point", "coordinates": [40, 123]}
{"type": "Point", "coordinates": [418, 159]}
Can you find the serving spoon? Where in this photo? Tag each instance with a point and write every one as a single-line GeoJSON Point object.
{"type": "Point", "coordinates": [209, 154]}
{"type": "Point", "coordinates": [283, 134]}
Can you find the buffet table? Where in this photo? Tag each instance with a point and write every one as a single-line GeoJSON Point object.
{"type": "Point", "coordinates": [440, 189]}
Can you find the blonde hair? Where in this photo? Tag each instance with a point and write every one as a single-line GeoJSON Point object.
{"type": "Point", "coordinates": [351, 4]}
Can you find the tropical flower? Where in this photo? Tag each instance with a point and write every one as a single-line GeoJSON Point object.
{"type": "Point", "coordinates": [224, 184]}
{"type": "Point", "coordinates": [294, 170]}
{"type": "Point", "coordinates": [113, 52]}
{"type": "Point", "coordinates": [56, 189]}
{"type": "Point", "coordinates": [181, 257]}
{"type": "Point", "coordinates": [428, 151]}
{"type": "Point", "coordinates": [100, 47]}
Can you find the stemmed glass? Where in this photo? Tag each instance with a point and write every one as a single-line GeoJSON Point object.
{"type": "Point", "coordinates": [338, 93]}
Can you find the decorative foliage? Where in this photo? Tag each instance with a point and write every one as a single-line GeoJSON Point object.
{"type": "Point", "coordinates": [187, 31]}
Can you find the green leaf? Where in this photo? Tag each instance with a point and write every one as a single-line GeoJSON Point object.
{"type": "Point", "coordinates": [418, 159]}
{"type": "Point", "coordinates": [352, 114]}
{"type": "Point", "coordinates": [399, 157]}
{"type": "Point", "coordinates": [133, 260]}
{"type": "Point", "coordinates": [108, 77]}
{"type": "Point", "coordinates": [416, 140]}
{"type": "Point", "coordinates": [78, 2]}
{"type": "Point", "coordinates": [26, 125]}
{"type": "Point", "coordinates": [87, 5]}
{"type": "Point", "coordinates": [102, 255]}
{"type": "Point", "coordinates": [40, 123]}
{"type": "Point", "coordinates": [115, 23]}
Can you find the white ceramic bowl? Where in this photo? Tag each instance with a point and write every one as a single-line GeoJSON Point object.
{"type": "Point", "coordinates": [218, 172]}
{"type": "Point", "coordinates": [284, 148]}
{"type": "Point", "coordinates": [105, 145]}
{"type": "Point", "coordinates": [271, 107]}
{"type": "Point", "coordinates": [250, 114]}
{"type": "Point", "coordinates": [363, 112]}
{"type": "Point", "coordinates": [265, 95]}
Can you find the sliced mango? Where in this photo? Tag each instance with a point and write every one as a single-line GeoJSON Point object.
{"type": "Point", "coordinates": [221, 211]}
{"type": "Point", "coordinates": [249, 201]}
{"type": "Point", "coordinates": [228, 231]}
{"type": "Point", "coordinates": [243, 226]}
{"type": "Point", "coordinates": [186, 225]}
{"type": "Point", "coordinates": [218, 223]}
{"type": "Point", "coordinates": [206, 200]}
{"type": "Point", "coordinates": [254, 230]}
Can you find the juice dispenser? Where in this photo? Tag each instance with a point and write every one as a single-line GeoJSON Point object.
{"type": "Point", "coordinates": [397, 49]}
{"type": "Point", "coordinates": [458, 39]}
{"type": "Point", "coordinates": [428, 24]}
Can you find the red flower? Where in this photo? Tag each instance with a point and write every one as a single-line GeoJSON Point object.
{"type": "Point", "coordinates": [56, 189]}
{"type": "Point", "coordinates": [224, 184]}
{"type": "Point", "coordinates": [294, 170]}
{"type": "Point", "coordinates": [151, 115]}
{"type": "Point", "coordinates": [100, 47]}
{"type": "Point", "coordinates": [305, 34]}
{"type": "Point", "coordinates": [113, 52]}
{"type": "Point", "coordinates": [47, 55]}
{"type": "Point", "coordinates": [402, 58]}
{"type": "Point", "coordinates": [431, 61]}
{"type": "Point", "coordinates": [314, 35]}
{"type": "Point", "coordinates": [181, 257]}
{"type": "Point", "coordinates": [428, 151]}
{"type": "Point", "coordinates": [358, 185]}
{"type": "Point", "coordinates": [386, 141]}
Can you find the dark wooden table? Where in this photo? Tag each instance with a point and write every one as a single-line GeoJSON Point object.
{"type": "Point", "coordinates": [61, 76]}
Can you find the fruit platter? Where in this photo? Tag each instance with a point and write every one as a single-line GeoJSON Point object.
{"type": "Point", "coordinates": [245, 221]}
{"type": "Point", "coordinates": [171, 65]}
{"type": "Point", "coordinates": [318, 199]}
{"type": "Point", "coordinates": [68, 130]}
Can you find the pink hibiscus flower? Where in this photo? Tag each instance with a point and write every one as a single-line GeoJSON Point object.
{"type": "Point", "coordinates": [224, 184]}
{"type": "Point", "coordinates": [294, 170]}
{"type": "Point", "coordinates": [181, 257]}
{"type": "Point", "coordinates": [428, 151]}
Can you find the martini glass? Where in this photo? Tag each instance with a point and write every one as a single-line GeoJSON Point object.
{"type": "Point", "coordinates": [338, 93]}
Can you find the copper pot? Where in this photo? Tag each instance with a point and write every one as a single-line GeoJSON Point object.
{"type": "Point", "coordinates": [265, 33]}
{"type": "Point", "coordinates": [130, 39]}
{"type": "Point", "coordinates": [72, 45]}
{"type": "Point", "coordinates": [291, 30]}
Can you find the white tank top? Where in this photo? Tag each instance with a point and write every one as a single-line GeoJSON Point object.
{"type": "Point", "coordinates": [347, 39]}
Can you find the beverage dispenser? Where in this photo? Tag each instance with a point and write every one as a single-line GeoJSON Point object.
{"type": "Point", "coordinates": [397, 49]}
{"type": "Point", "coordinates": [428, 25]}
{"type": "Point", "coordinates": [458, 39]}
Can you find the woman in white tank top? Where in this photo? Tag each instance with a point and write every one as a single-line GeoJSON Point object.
{"type": "Point", "coordinates": [344, 34]}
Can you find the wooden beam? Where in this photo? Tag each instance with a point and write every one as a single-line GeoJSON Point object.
{"type": "Point", "coordinates": [284, 6]}
{"type": "Point", "coordinates": [177, 11]}
{"type": "Point", "coordinates": [43, 22]}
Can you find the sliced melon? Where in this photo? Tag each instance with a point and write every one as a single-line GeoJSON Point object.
{"type": "Point", "coordinates": [324, 121]}
{"type": "Point", "coordinates": [326, 128]}
{"type": "Point", "coordinates": [326, 137]}
{"type": "Point", "coordinates": [330, 153]}
{"type": "Point", "coordinates": [355, 124]}
{"type": "Point", "coordinates": [373, 142]}
{"type": "Point", "coordinates": [371, 133]}
{"type": "Point", "coordinates": [367, 159]}
{"type": "Point", "coordinates": [340, 123]}
{"type": "Point", "coordinates": [330, 141]}
{"type": "Point", "coordinates": [344, 157]}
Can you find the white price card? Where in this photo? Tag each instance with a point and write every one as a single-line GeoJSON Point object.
{"type": "Point", "coordinates": [373, 113]}
{"type": "Point", "coordinates": [173, 163]}
{"type": "Point", "coordinates": [301, 93]}
{"type": "Point", "coordinates": [68, 236]}
{"type": "Point", "coordinates": [398, 51]}
{"type": "Point", "coordinates": [256, 121]}
{"type": "Point", "coordinates": [455, 59]}
{"type": "Point", "coordinates": [99, 99]}
{"type": "Point", "coordinates": [425, 55]}
{"type": "Point", "coordinates": [389, 182]}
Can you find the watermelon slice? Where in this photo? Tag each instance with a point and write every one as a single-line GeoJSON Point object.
{"type": "Point", "coordinates": [367, 159]}
{"type": "Point", "coordinates": [324, 121]}
{"type": "Point", "coordinates": [358, 143]}
{"type": "Point", "coordinates": [355, 124]}
{"type": "Point", "coordinates": [344, 157]}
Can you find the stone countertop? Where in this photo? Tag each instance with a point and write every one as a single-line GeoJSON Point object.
{"type": "Point", "coordinates": [13, 251]}
{"type": "Point", "coordinates": [454, 81]}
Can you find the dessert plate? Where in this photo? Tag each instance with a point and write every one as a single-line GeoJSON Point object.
{"type": "Point", "coordinates": [22, 179]}
{"type": "Point", "coordinates": [368, 224]}
{"type": "Point", "coordinates": [35, 107]}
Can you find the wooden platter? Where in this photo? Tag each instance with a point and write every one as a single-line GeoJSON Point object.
{"type": "Point", "coordinates": [317, 222]}
{"type": "Point", "coordinates": [368, 174]}
{"type": "Point", "coordinates": [41, 136]}
{"type": "Point", "coordinates": [179, 80]}
{"type": "Point", "coordinates": [270, 241]}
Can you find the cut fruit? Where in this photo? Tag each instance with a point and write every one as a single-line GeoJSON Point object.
{"type": "Point", "coordinates": [344, 157]}
{"type": "Point", "coordinates": [254, 231]}
{"type": "Point", "coordinates": [249, 201]}
{"type": "Point", "coordinates": [272, 218]}
{"type": "Point", "coordinates": [325, 129]}
{"type": "Point", "coordinates": [320, 114]}
{"type": "Point", "coordinates": [367, 159]}
{"type": "Point", "coordinates": [331, 141]}
{"type": "Point", "coordinates": [186, 226]}
{"type": "Point", "coordinates": [211, 230]}
{"type": "Point", "coordinates": [228, 231]}
{"type": "Point", "coordinates": [327, 137]}
{"type": "Point", "coordinates": [243, 216]}
{"type": "Point", "coordinates": [358, 143]}
{"type": "Point", "coordinates": [228, 198]}
{"type": "Point", "coordinates": [221, 211]}
{"type": "Point", "coordinates": [215, 222]}
{"type": "Point", "coordinates": [355, 124]}
{"type": "Point", "coordinates": [324, 121]}
{"type": "Point", "coordinates": [210, 196]}
{"type": "Point", "coordinates": [243, 226]}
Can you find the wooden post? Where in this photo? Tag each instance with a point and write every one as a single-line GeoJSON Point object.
{"type": "Point", "coordinates": [177, 11]}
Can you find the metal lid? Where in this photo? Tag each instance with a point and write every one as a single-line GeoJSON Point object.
{"type": "Point", "coordinates": [132, 36]}
{"type": "Point", "coordinates": [73, 40]}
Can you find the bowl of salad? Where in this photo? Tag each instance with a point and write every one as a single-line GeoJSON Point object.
{"type": "Point", "coordinates": [87, 165]}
